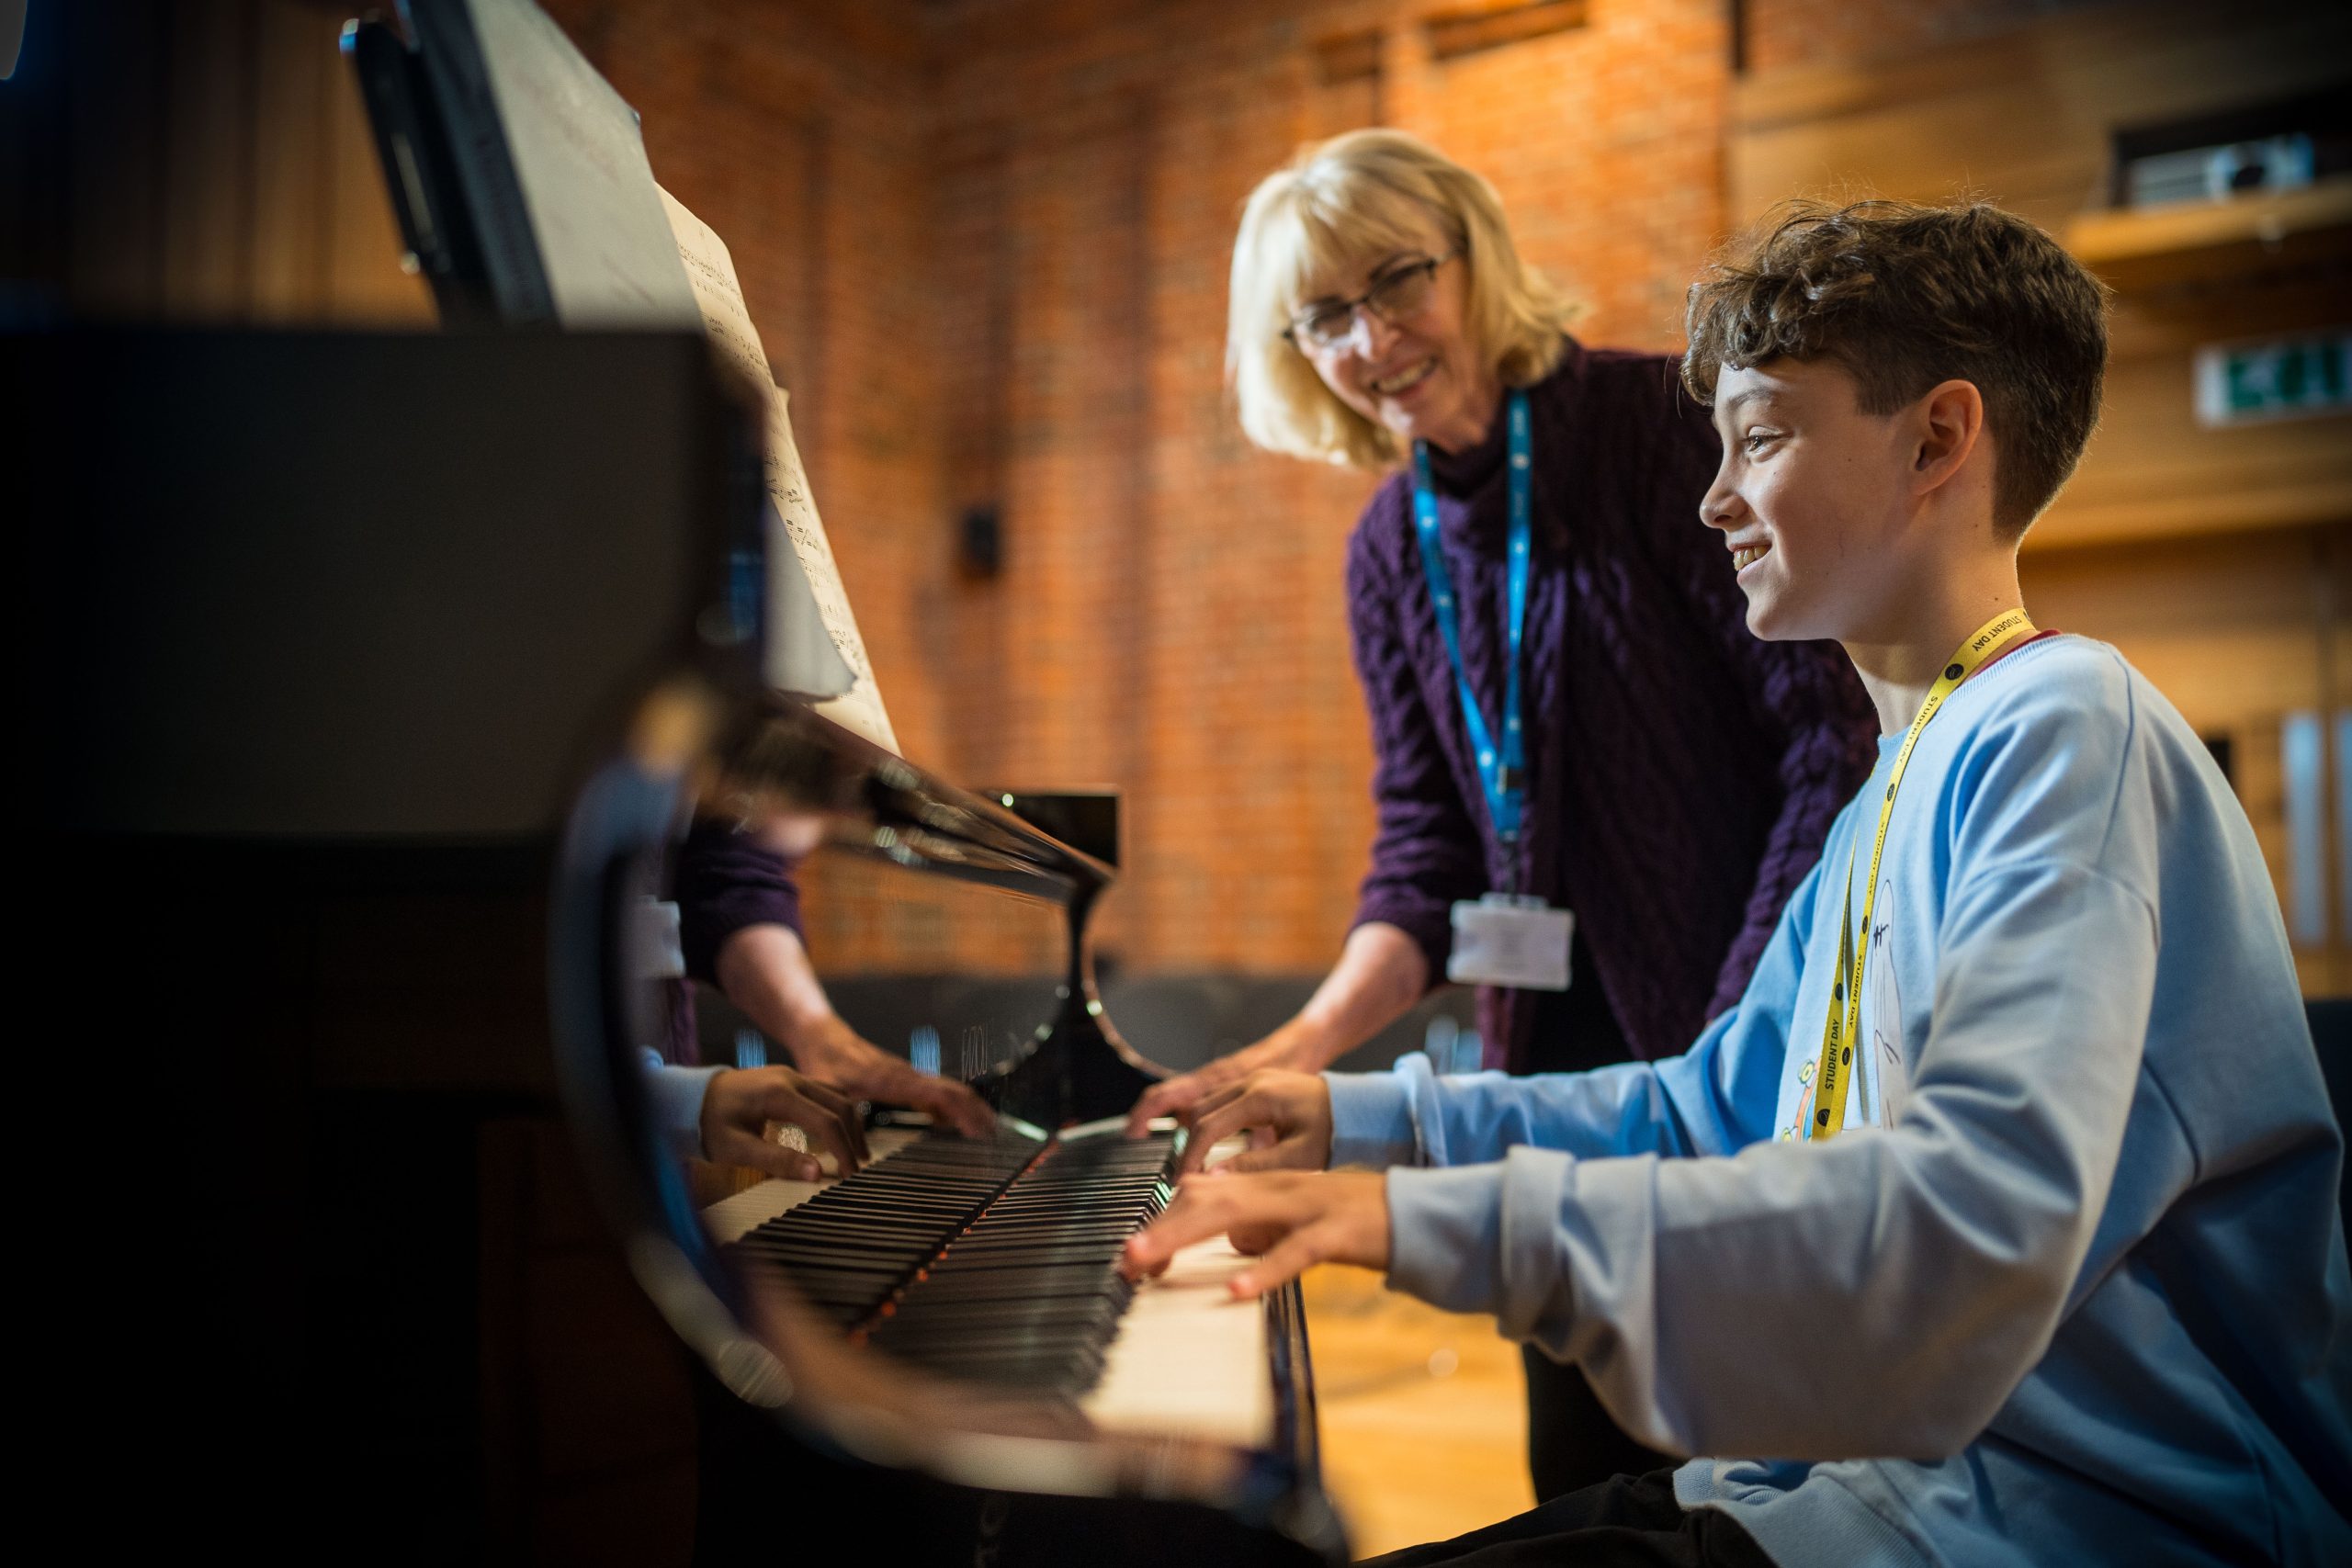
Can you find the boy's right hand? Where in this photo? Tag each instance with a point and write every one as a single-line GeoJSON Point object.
{"type": "Point", "coordinates": [1288, 1116]}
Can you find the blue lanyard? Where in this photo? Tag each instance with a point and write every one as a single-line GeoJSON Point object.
{"type": "Point", "coordinates": [1502, 771]}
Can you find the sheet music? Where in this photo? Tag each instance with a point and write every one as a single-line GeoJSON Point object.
{"type": "Point", "coordinates": [711, 272]}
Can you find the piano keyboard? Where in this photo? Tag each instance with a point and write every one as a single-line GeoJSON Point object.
{"type": "Point", "coordinates": [1174, 1354]}
{"type": "Point", "coordinates": [993, 1260]}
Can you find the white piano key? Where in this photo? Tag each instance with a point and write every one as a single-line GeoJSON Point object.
{"type": "Point", "coordinates": [1187, 1360]}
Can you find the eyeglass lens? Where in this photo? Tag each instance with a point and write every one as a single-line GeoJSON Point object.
{"type": "Point", "coordinates": [1395, 299]}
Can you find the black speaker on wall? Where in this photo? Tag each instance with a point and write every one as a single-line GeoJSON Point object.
{"type": "Point", "coordinates": [979, 541]}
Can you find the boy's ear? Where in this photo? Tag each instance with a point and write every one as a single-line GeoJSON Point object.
{"type": "Point", "coordinates": [1949, 423]}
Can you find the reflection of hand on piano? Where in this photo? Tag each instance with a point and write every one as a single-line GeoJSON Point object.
{"type": "Point", "coordinates": [1289, 1219]}
{"type": "Point", "coordinates": [1287, 1114]}
{"type": "Point", "coordinates": [765, 970]}
{"type": "Point", "coordinates": [831, 1050]}
{"type": "Point", "coordinates": [740, 1102]}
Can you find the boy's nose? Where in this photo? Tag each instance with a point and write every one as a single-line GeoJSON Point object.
{"type": "Point", "coordinates": [1720, 507]}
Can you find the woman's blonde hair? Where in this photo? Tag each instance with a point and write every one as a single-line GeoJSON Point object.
{"type": "Point", "coordinates": [1347, 202]}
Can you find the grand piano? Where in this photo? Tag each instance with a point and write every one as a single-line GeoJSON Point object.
{"type": "Point", "coordinates": [371, 680]}
{"type": "Point", "coordinates": [943, 1335]}
{"type": "Point", "coordinates": [953, 1311]}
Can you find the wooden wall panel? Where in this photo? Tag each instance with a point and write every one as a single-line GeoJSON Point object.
{"type": "Point", "coordinates": [220, 170]}
{"type": "Point", "coordinates": [2239, 632]}
{"type": "Point", "coordinates": [206, 173]}
{"type": "Point", "coordinates": [114, 135]}
{"type": "Point", "coordinates": [2213, 559]}
{"type": "Point", "coordinates": [293, 84]}
{"type": "Point", "coordinates": [2024, 118]}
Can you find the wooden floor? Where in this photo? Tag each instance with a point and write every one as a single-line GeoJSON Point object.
{"type": "Point", "coordinates": [1424, 1414]}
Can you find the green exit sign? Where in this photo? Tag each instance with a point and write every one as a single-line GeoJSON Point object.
{"type": "Point", "coordinates": [2288, 378]}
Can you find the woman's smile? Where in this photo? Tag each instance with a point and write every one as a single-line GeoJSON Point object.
{"type": "Point", "coordinates": [1402, 382]}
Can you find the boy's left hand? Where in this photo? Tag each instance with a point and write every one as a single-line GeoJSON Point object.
{"type": "Point", "coordinates": [1291, 1220]}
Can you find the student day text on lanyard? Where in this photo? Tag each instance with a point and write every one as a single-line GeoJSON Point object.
{"type": "Point", "coordinates": [1503, 939]}
{"type": "Point", "coordinates": [1845, 1023]}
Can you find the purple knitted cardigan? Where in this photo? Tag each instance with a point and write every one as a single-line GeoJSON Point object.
{"type": "Point", "coordinates": [723, 880]}
{"type": "Point", "coordinates": [1681, 774]}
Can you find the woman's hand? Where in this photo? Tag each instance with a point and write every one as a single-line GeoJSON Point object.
{"type": "Point", "coordinates": [739, 1104]}
{"type": "Point", "coordinates": [1292, 1048]}
{"type": "Point", "coordinates": [829, 1049]}
{"type": "Point", "coordinates": [1381, 974]}
{"type": "Point", "coordinates": [1288, 1116]}
{"type": "Point", "coordinates": [1290, 1220]}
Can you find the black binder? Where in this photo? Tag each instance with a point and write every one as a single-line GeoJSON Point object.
{"type": "Point", "coordinates": [517, 174]}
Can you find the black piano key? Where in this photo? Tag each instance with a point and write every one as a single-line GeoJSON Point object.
{"type": "Point", "coordinates": [993, 1260]}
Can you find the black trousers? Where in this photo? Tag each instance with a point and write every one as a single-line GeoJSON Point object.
{"type": "Point", "coordinates": [1628, 1520]}
{"type": "Point", "coordinates": [1572, 1441]}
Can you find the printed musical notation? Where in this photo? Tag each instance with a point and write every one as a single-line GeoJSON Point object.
{"type": "Point", "coordinates": [728, 322]}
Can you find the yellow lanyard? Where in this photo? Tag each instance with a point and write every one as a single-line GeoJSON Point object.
{"type": "Point", "coordinates": [1845, 1023]}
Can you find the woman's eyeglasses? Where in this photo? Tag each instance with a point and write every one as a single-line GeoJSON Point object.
{"type": "Point", "coordinates": [1395, 297]}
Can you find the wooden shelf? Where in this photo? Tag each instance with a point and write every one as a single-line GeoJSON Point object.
{"type": "Point", "coordinates": [2203, 241]}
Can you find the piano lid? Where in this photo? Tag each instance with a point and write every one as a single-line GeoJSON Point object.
{"type": "Point", "coordinates": [799, 778]}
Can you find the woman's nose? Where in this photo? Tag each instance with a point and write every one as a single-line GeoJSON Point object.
{"type": "Point", "coordinates": [1370, 333]}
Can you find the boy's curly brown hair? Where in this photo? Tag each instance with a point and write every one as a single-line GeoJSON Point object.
{"type": "Point", "coordinates": [1905, 297]}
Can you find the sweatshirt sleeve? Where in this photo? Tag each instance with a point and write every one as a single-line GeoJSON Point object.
{"type": "Point", "coordinates": [1426, 850]}
{"type": "Point", "coordinates": [1804, 695]}
{"type": "Point", "coordinates": [1714, 1098]}
{"type": "Point", "coordinates": [1927, 1264]}
{"type": "Point", "coordinates": [725, 881]}
{"type": "Point", "coordinates": [673, 1096]}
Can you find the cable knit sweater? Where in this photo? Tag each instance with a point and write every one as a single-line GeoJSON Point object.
{"type": "Point", "coordinates": [1681, 773]}
{"type": "Point", "coordinates": [723, 880]}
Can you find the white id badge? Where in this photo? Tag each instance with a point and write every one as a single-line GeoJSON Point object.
{"type": "Point", "coordinates": [1518, 941]}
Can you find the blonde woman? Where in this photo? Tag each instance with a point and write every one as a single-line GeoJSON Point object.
{"type": "Point", "coordinates": [1595, 789]}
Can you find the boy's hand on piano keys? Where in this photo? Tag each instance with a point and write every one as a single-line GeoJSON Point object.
{"type": "Point", "coordinates": [1286, 1050]}
{"type": "Point", "coordinates": [1289, 1219]}
{"type": "Point", "coordinates": [742, 1101]}
{"type": "Point", "coordinates": [832, 1052]}
{"type": "Point", "coordinates": [1287, 1115]}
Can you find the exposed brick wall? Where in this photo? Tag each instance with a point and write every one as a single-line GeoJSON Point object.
{"type": "Point", "coordinates": [1175, 601]}
{"type": "Point", "coordinates": [987, 242]}
{"type": "Point", "coordinates": [801, 132]}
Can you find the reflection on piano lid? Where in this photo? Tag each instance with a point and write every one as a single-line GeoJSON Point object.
{"type": "Point", "coordinates": [788, 764]}
{"type": "Point", "coordinates": [951, 1311]}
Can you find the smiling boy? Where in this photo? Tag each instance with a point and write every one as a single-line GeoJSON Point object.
{"type": "Point", "coordinates": [2047, 1270]}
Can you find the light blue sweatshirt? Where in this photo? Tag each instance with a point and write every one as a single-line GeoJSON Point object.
{"type": "Point", "coordinates": [674, 1102]}
{"type": "Point", "coordinates": [2075, 1290]}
